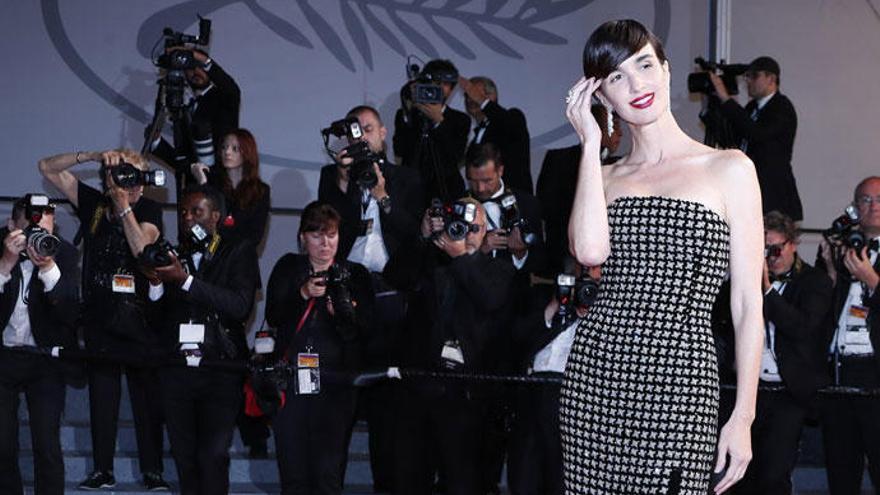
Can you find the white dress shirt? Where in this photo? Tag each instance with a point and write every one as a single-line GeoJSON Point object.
{"type": "Point", "coordinates": [369, 250]}
{"type": "Point", "coordinates": [18, 331]}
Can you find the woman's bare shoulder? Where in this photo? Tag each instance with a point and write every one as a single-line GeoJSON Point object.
{"type": "Point", "coordinates": [731, 167]}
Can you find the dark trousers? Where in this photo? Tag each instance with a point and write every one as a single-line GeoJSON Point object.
{"type": "Point", "coordinates": [105, 391]}
{"type": "Point", "coordinates": [388, 317]}
{"type": "Point", "coordinates": [43, 387]}
{"type": "Point", "coordinates": [535, 459]}
{"type": "Point", "coordinates": [200, 410]}
{"type": "Point", "coordinates": [311, 441]}
{"type": "Point", "coordinates": [851, 430]}
{"type": "Point", "coordinates": [776, 433]}
{"type": "Point", "coordinates": [437, 431]}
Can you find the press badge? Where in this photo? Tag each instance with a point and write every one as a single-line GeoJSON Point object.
{"type": "Point", "coordinates": [308, 373]}
{"type": "Point", "coordinates": [451, 354]}
{"type": "Point", "coordinates": [123, 284]}
{"type": "Point", "coordinates": [192, 333]}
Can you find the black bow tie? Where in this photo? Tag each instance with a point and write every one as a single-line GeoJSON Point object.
{"type": "Point", "coordinates": [874, 245]}
{"type": "Point", "coordinates": [783, 278]}
{"type": "Point", "coordinates": [482, 125]}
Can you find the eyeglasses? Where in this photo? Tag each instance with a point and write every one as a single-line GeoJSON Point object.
{"type": "Point", "coordinates": [866, 200]}
{"type": "Point", "coordinates": [774, 250]}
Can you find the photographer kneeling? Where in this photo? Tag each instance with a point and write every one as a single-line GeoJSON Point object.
{"type": "Point", "coordinates": [38, 308]}
{"type": "Point", "coordinates": [321, 308]}
{"type": "Point", "coordinates": [456, 296]}
{"type": "Point", "coordinates": [204, 296]}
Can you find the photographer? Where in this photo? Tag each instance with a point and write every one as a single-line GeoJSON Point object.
{"type": "Point", "coordinates": [766, 128]}
{"type": "Point", "coordinates": [376, 218]}
{"type": "Point", "coordinates": [849, 422]}
{"type": "Point", "coordinates": [203, 308]}
{"type": "Point", "coordinates": [210, 115]}
{"type": "Point", "coordinates": [116, 225]}
{"type": "Point", "coordinates": [429, 136]}
{"type": "Point", "coordinates": [457, 294]}
{"type": "Point", "coordinates": [513, 234]}
{"type": "Point", "coordinates": [544, 337]}
{"type": "Point", "coordinates": [505, 128]}
{"type": "Point", "coordinates": [246, 196]}
{"type": "Point", "coordinates": [322, 307]}
{"type": "Point", "coordinates": [38, 308]}
{"type": "Point", "coordinates": [797, 298]}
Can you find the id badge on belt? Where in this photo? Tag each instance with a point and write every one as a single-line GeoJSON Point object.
{"type": "Point", "coordinates": [452, 356]}
{"type": "Point", "coordinates": [123, 283]}
{"type": "Point", "coordinates": [308, 373]}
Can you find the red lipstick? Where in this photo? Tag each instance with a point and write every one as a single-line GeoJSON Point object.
{"type": "Point", "coordinates": [643, 101]}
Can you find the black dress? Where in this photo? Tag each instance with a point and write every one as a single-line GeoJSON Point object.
{"type": "Point", "coordinates": [639, 404]}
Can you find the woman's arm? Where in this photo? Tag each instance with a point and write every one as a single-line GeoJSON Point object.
{"type": "Point", "coordinates": [588, 225]}
{"type": "Point", "coordinates": [55, 170]}
{"type": "Point", "coordinates": [742, 199]}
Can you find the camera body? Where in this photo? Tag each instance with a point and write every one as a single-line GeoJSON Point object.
{"type": "Point", "coordinates": [699, 82]}
{"type": "Point", "coordinates": [512, 217]}
{"type": "Point", "coordinates": [36, 237]}
{"type": "Point", "coordinates": [845, 230]}
{"type": "Point", "coordinates": [156, 254]}
{"type": "Point", "coordinates": [337, 279]}
{"type": "Point", "coordinates": [361, 170]}
{"type": "Point", "coordinates": [177, 62]}
{"type": "Point", "coordinates": [425, 87]}
{"type": "Point", "coordinates": [573, 292]}
{"type": "Point", "coordinates": [126, 176]}
{"type": "Point", "coordinates": [458, 217]}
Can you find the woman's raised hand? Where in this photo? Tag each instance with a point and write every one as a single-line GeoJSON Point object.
{"type": "Point", "coordinates": [579, 101]}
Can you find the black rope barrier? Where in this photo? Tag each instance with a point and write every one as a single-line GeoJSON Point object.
{"type": "Point", "coordinates": [362, 378]}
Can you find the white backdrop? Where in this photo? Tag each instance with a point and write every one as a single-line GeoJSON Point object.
{"type": "Point", "coordinates": [77, 75]}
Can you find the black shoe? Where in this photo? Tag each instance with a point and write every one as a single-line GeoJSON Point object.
{"type": "Point", "coordinates": [98, 480]}
{"type": "Point", "coordinates": [154, 483]}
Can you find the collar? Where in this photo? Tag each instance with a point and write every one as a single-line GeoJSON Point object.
{"type": "Point", "coordinates": [500, 191]}
{"type": "Point", "coordinates": [764, 99]}
{"type": "Point", "coordinates": [202, 92]}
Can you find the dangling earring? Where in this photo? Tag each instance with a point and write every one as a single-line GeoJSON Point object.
{"type": "Point", "coordinates": [609, 121]}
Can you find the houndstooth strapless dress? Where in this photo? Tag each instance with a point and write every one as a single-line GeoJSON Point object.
{"type": "Point", "coordinates": [639, 403]}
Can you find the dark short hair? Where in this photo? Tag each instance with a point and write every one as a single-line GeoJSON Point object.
{"type": "Point", "coordinates": [615, 41]}
{"type": "Point", "coordinates": [480, 154]}
{"type": "Point", "coordinates": [782, 223]}
{"type": "Point", "coordinates": [212, 194]}
{"type": "Point", "coordinates": [354, 112]}
{"type": "Point", "coordinates": [318, 217]}
{"type": "Point", "coordinates": [439, 66]}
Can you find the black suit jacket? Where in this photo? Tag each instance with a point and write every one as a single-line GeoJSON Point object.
{"type": "Point", "coordinates": [449, 299]}
{"type": "Point", "coordinates": [800, 314]}
{"type": "Point", "coordinates": [52, 314]}
{"type": "Point", "coordinates": [447, 143]}
{"type": "Point", "coordinates": [770, 141]}
{"type": "Point", "coordinates": [556, 188]}
{"type": "Point", "coordinates": [222, 290]}
{"type": "Point", "coordinates": [338, 342]}
{"type": "Point", "coordinates": [403, 185]}
{"type": "Point", "coordinates": [840, 294]}
{"type": "Point", "coordinates": [216, 113]}
{"type": "Point", "coordinates": [508, 131]}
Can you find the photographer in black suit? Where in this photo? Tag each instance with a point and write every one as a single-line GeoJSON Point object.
{"type": "Point", "coordinates": [376, 219]}
{"type": "Point", "coordinates": [767, 127]}
{"type": "Point", "coordinates": [210, 115]}
{"type": "Point", "coordinates": [457, 294]}
{"type": "Point", "coordinates": [204, 306]}
{"type": "Point", "coordinates": [504, 127]}
{"type": "Point", "coordinates": [116, 223]}
{"type": "Point", "coordinates": [431, 137]}
{"type": "Point", "coordinates": [321, 306]}
{"type": "Point", "coordinates": [38, 308]}
{"type": "Point", "coordinates": [849, 422]}
{"type": "Point", "coordinates": [797, 298]}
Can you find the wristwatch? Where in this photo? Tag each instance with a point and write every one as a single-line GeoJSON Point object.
{"type": "Point", "coordinates": [385, 204]}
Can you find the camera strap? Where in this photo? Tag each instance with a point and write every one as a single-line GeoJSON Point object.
{"type": "Point", "coordinates": [100, 211]}
{"type": "Point", "coordinates": [299, 326]}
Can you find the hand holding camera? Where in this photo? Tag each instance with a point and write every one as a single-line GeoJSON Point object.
{"type": "Point", "coordinates": [173, 273]}
{"type": "Point", "coordinates": [452, 247]}
{"type": "Point", "coordinates": [314, 286]}
{"type": "Point", "coordinates": [497, 239]}
{"type": "Point", "coordinates": [432, 225]}
{"type": "Point", "coordinates": [433, 111]}
{"type": "Point", "coordinates": [858, 263]}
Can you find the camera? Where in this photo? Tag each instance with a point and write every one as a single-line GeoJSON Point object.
{"type": "Point", "coordinates": [177, 61]}
{"type": "Point", "coordinates": [699, 82]}
{"type": "Point", "coordinates": [844, 230]}
{"type": "Point", "coordinates": [424, 87]}
{"type": "Point", "coordinates": [458, 217]}
{"type": "Point", "coordinates": [511, 217]}
{"type": "Point", "coordinates": [126, 175]}
{"type": "Point", "coordinates": [573, 292]}
{"type": "Point", "coordinates": [156, 254]}
{"type": "Point", "coordinates": [337, 278]}
{"type": "Point", "coordinates": [361, 171]}
{"type": "Point", "coordinates": [36, 237]}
